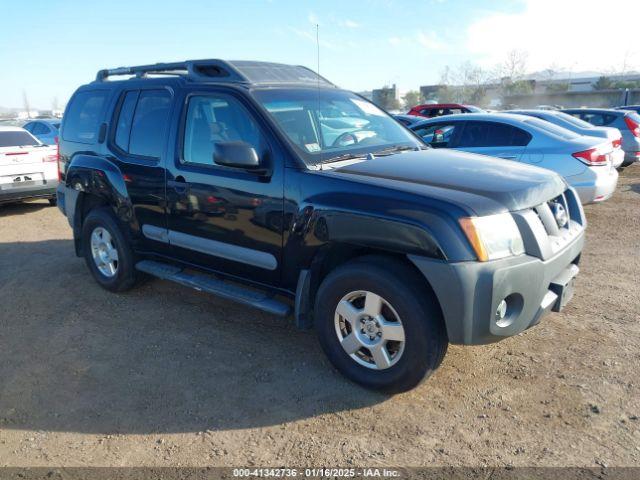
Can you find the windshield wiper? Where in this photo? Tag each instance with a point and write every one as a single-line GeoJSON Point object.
{"type": "Point", "coordinates": [346, 156]}
{"type": "Point", "coordinates": [370, 155]}
{"type": "Point", "coordinates": [395, 149]}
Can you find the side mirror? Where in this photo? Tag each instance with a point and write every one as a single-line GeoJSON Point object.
{"type": "Point", "coordinates": [236, 154]}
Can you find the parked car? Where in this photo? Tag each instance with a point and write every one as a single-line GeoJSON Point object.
{"type": "Point", "coordinates": [584, 162]}
{"type": "Point", "coordinates": [580, 127]}
{"type": "Point", "coordinates": [627, 121]}
{"type": "Point", "coordinates": [45, 130]}
{"type": "Point", "coordinates": [27, 167]}
{"type": "Point", "coordinates": [440, 109]}
{"type": "Point", "coordinates": [389, 249]}
{"type": "Point", "coordinates": [407, 120]}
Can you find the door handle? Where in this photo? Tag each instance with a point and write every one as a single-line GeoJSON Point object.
{"type": "Point", "coordinates": [179, 185]}
{"type": "Point", "coordinates": [508, 157]}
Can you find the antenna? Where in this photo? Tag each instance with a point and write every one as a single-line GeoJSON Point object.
{"type": "Point", "coordinates": [320, 139]}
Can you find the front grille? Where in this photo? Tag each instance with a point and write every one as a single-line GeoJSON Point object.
{"type": "Point", "coordinates": [555, 215]}
{"type": "Point", "coordinates": [550, 226]}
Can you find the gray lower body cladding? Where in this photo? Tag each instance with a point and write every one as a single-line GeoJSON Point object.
{"type": "Point", "coordinates": [470, 292]}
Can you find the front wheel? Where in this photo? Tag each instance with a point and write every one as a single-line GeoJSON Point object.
{"type": "Point", "coordinates": [377, 325]}
{"type": "Point", "coordinates": [107, 252]}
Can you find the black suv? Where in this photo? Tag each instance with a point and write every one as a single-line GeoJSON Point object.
{"type": "Point", "coordinates": [266, 184]}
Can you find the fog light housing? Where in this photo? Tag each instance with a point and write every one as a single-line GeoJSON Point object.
{"type": "Point", "coordinates": [508, 310]}
{"type": "Point", "coordinates": [501, 311]}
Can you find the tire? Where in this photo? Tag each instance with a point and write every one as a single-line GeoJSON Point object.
{"type": "Point", "coordinates": [123, 276]}
{"type": "Point", "coordinates": [405, 296]}
{"type": "Point", "coordinates": [53, 202]}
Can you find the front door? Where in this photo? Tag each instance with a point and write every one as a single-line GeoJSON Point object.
{"type": "Point", "coordinates": [225, 218]}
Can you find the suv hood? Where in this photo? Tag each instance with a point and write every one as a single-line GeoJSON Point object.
{"type": "Point", "coordinates": [482, 184]}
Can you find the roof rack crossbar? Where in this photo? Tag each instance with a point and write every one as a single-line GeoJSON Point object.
{"type": "Point", "coordinates": [197, 69]}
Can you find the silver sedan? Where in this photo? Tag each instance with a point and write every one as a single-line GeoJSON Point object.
{"type": "Point", "coordinates": [584, 162]}
{"type": "Point", "coordinates": [580, 127]}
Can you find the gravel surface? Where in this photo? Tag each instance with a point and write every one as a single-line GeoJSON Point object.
{"type": "Point", "coordinates": [164, 375]}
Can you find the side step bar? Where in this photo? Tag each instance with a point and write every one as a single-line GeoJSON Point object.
{"type": "Point", "coordinates": [217, 287]}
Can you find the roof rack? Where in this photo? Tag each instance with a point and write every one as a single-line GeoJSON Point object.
{"type": "Point", "coordinates": [242, 71]}
{"type": "Point", "coordinates": [196, 69]}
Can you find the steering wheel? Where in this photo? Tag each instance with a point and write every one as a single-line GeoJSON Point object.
{"type": "Point", "coordinates": [340, 141]}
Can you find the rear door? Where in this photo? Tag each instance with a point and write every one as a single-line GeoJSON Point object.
{"type": "Point", "coordinates": [138, 144]}
{"type": "Point", "coordinates": [492, 138]}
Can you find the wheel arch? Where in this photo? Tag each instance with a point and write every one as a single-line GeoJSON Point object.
{"type": "Point", "coordinates": [97, 183]}
{"type": "Point", "coordinates": [331, 256]}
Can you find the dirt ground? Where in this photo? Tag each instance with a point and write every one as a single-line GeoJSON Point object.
{"type": "Point", "coordinates": [164, 375]}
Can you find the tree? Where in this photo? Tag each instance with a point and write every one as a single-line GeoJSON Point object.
{"type": "Point", "coordinates": [514, 66]}
{"type": "Point", "coordinates": [603, 83]}
{"type": "Point", "coordinates": [557, 87]}
{"type": "Point", "coordinates": [465, 84]}
{"type": "Point", "coordinates": [412, 98]}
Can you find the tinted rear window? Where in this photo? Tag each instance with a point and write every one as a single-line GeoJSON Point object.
{"type": "Point", "coordinates": [552, 129]}
{"type": "Point", "coordinates": [576, 122]}
{"type": "Point", "coordinates": [17, 139]}
{"type": "Point", "coordinates": [83, 115]}
{"type": "Point", "coordinates": [149, 123]}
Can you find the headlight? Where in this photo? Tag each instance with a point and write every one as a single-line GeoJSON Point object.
{"type": "Point", "coordinates": [494, 236]}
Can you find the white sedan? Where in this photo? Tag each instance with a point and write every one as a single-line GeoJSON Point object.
{"type": "Point", "coordinates": [28, 169]}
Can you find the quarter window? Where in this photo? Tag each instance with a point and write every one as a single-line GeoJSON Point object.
{"type": "Point", "coordinates": [83, 115]}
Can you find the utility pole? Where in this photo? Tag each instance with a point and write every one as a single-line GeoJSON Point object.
{"type": "Point", "coordinates": [25, 102]}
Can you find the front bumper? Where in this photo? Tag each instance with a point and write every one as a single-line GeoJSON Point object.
{"type": "Point", "coordinates": [470, 292]}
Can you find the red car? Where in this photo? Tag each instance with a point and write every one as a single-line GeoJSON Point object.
{"type": "Point", "coordinates": [439, 109]}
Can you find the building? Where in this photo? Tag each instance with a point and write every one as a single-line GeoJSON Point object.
{"type": "Point", "coordinates": [387, 98]}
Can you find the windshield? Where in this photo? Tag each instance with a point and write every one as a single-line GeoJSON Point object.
{"type": "Point", "coordinates": [552, 129]}
{"type": "Point", "coordinates": [325, 124]}
{"type": "Point", "coordinates": [17, 138]}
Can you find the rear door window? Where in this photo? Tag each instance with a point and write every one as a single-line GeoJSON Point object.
{"type": "Point", "coordinates": [83, 116]}
{"type": "Point", "coordinates": [142, 122]}
{"type": "Point", "coordinates": [492, 134]}
{"type": "Point", "coordinates": [125, 117]}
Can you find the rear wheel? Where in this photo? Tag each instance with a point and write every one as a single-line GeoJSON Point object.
{"type": "Point", "coordinates": [378, 326]}
{"type": "Point", "coordinates": [107, 252]}
{"type": "Point", "coordinates": [53, 202]}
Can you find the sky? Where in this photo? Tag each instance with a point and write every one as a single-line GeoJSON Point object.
{"type": "Point", "coordinates": [50, 47]}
